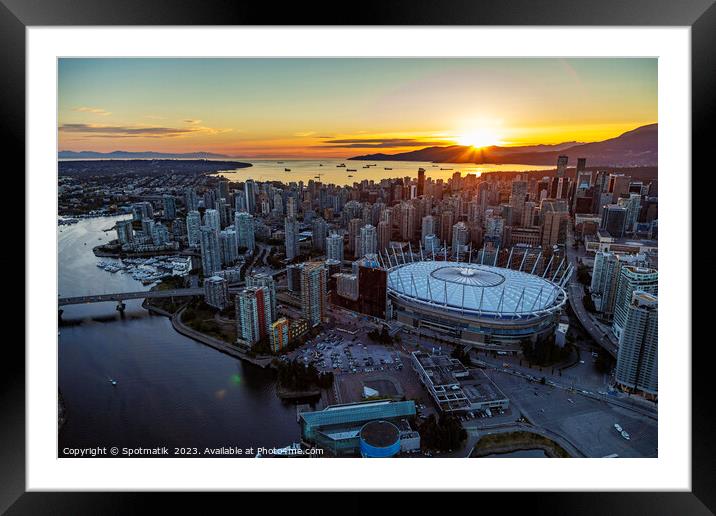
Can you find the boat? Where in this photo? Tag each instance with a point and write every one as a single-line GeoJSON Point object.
{"type": "Point", "coordinates": [617, 427]}
{"type": "Point", "coordinates": [388, 168]}
{"type": "Point", "coordinates": [113, 382]}
{"type": "Point", "coordinates": [287, 170]}
{"type": "Point", "coordinates": [351, 170]}
{"type": "Point", "coordinates": [625, 435]}
{"type": "Point", "coordinates": [342, 165]}
{"type": "Point", "coordinates": [445, 168]}
{"type": "Point", "coordinates": [320, 164]}
{"type": "Point", "coordinates": [421, 169]}
{"type": "Point", "coordinates": [280, 162]}
{"type": "Point", "coordinates": [350, 175]}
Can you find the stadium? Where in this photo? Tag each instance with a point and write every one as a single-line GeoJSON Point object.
{"type": "Point", "coordinates": [488, 306]}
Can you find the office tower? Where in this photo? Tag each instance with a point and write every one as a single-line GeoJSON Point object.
{"type": "Point", "coordinates": [253, 314]}
{"type": "Point", "coordinates": [191, 201]}
{"type": "Point", "coordinates": [474, 211]}
{"type": "Point", "coordinates": [210, 250]}
{"type": "Point", "coordinates": [431, 246]}
{"type": "Point", "coordinates": [279, 335]}
{"type": "Point", "coordinates": [460, 236]}
{"type": "Point", "coordinates": [250, 194]}
{"type": "Point", "coordinates": [244, 227]}
{"type": "Point", "coordinates": [368, 239]}
{"type": "Point", "coordinates": [212, 219]}
{"type": "Point", "coordinates": [618, 184]}
{"type": "Point", "coordinates": [222, 189]}
{"type": "Point", "coordinates": [354, 226]}
{"type": "Point", "coordinates": [476, 234]}
{"type": "Point", "coordinates": [581, 165]}
{"type": "Point", "coordinates": [193, 223]}
{"type": "Point", "coordinates": [259, 279]}
{"type": "Point", "coordinates": [170, 207]}
{"type": "Point", "coordinates": [229, 246]}
{"type": "Point", "coordinates": [291, 231]}
{"type": "Point", "coordinates": [554, 222]}
{"type": "Point", "coordinates": [631, 278]}
{"type": "Point", "coordinates": [384, 234]}
{"type": "Point", "coordinates": [334, 247]}
{"type": "Point", "coordinates": [216, 292]}
{"type": "Point", "coordinates": [632, 204]}
{"type": "Point", "coordinates": [407, 221]}
{"type": "Point", "coordinates": [561, 165]}
{"type": "Point", "coordinates": [518, 196]}
{"type": "Point", "coordinates": [320, 230]}
{"type": "Point", "coordinates": [313, 292]}
{"type": "Point", "coordinates": [223, 209]}
{"type": "Point", "coordinates": [614, 220]}
{"type": "Point", "coordinates": [421, 182]}
{"type": "Point", "coordinates": [427, 227]}
{"type": "Point", "coordinates": [125, 233]}
{"type": "Point", "coordinates": [638, 357]}
{"type": "Point", "coordinates": [446, 223]}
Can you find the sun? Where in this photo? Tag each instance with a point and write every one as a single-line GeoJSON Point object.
{"type": "Point", "coordinates": [479, 138]}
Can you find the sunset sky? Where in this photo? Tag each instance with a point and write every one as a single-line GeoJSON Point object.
{"type": "Point", "coordinates": [345, 107]}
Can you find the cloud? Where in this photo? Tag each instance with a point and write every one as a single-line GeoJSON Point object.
{"type": "Point", "coordinates": [192, 121]}
{"type": "Point", "coordinates": [96, 111]}
{"type": "Point", "coordinates": [377, 143]}
{"type": "Point", "coordinates": [139, 131]}
{"type": "Point", "coordinates": [304, 134]}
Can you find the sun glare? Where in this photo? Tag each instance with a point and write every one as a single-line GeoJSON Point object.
{"type": "Point", "coordinates": [479, 138]}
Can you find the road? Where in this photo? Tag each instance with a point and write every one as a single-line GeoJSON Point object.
{"type": "Point", "coordinates": [122, 296]}
{"type": "Point", "coordinates": [575, 293]}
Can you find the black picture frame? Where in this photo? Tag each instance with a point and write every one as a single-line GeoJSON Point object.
{"type": "Point", "coordinates": [700, 15]}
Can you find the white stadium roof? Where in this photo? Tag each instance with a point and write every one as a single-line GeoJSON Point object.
{"type": "Point", "coordinates": [476, 289]}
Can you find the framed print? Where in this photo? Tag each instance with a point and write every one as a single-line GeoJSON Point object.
{"type": "Point", "coordinates": [425, 236]}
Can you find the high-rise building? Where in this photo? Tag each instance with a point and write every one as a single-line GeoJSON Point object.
{"type": "Point", "coordinates": [191, 201]}
{"type": "Point", "coordinates": [427, 227]}
{"type": "Point", "coordinates": [142, 211]}
{"type": "Point", "coordinates": [518, 196]}
{"type": "Point", "coordinates": [244, 227]}
{"type": "Point", "coordinates": [193, 223]}
{"type": "Point", "coordinates": [605, 276]}
{"type": "Point", "coordinates": [253, 314]}
{"type": "Point", "coordinates": [291, 231]}
{"type": "Point", "coordinates": [354, 226]}
{"type": "Point", "coordinates": [446, 224]}
{"type": "Point", "coordinates": [561, 165]}
{"type": "Point", "coordinates": [260, 279]}
{"type": "Point", "coordinates": [421, 182]}
{"type": "Point", "coordinates": [216, 292]}
{"type": "Point", "coordinates": [170, 207]}
{"type": "Point", "coordinates": [384, 234]}
{"type": "Point", "coordinates": [229, 246]}
{"type": "Point", "coordinates": [614, 220]}
{"type": "Point", "coordinates": [368, 239]}
{"type": "Point", "coordinates": [460, 237]}
{"type": "Point", "coordinates": [554, 222]}
{"type": "Point", "coordinates": [631, 278]}
{"type": "Point", "coordinates": [250, 193]}
{"type": "Point", "coordinates": [210, 250]}
{"type": "Point", "coordinates": [313, 292]}
{"type": "Point", "coordinates": [212, 219]}
{"type": "Point", "coordinates": [320, 230]}
{"type": "Point", "coordinates": [291, 210]}
{"type": "Point", "coordinates": [125, 233]}
{"type": "Point", "coordinates": [407, 221]}
{"type": "Point", "coordinates": [334, 247]}
{"type": "Point", "coordinates": [638, 357]}
{"type": "Point", "coordinates": [279, 337]}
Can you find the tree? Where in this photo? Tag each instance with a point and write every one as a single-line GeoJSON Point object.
{"type": "Point", "coordinates": [443, 434]}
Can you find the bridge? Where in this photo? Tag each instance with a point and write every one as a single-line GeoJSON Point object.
{"type": "Point", "coordinates": [120, 297]}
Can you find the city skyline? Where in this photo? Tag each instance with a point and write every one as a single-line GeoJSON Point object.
{"type": "Point", "coordinates": [337, 108]}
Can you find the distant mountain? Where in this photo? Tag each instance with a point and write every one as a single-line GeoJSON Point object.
{"type": "Point", "coordinates": [636, 148]}
{"type": "Point", "coordinates": [138, 155]}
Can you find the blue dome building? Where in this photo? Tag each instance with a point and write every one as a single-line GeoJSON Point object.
{"type": "Point", "coordinates": [379, 439]}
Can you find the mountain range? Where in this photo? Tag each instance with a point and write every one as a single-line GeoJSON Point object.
{"type": "Point", "coordinates": [635, 148]}
{"type": "Point", "coordinates": [138, 155]}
